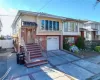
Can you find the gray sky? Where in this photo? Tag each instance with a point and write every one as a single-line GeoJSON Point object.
{"type": "Point", "coordinates": [7, 16]}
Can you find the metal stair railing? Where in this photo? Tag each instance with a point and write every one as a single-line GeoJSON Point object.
{"type": "Point", "coordinates": [27, 53]}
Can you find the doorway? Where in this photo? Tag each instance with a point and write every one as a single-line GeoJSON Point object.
{"type": "Point", "coordinates": [29, 36]}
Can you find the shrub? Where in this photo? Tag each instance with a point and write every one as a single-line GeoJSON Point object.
{"type": "Point", "coordinates": [2, 38]}
{"type": "Point", "coordinates": [97, 48]}
{"type": "Point", "coordinates": [66, 45]}
{"type": "Point", "coordinates": [80, 42]}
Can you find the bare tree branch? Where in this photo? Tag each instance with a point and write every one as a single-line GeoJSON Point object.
{"type": "Point", "coordinates": [97, 1]}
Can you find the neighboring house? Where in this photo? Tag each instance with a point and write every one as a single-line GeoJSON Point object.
{"type": "Point", "coordinates": [71, 29]}
{"type": "Point", "coordinates": [91, 30]}
{"type": "Point", "coordinates": [0, 27]}
{"type": "Point", "coordinates": [31, 25]}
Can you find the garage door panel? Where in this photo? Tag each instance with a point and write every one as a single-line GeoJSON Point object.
{"type": "Point", "coordinates": [52, 43]}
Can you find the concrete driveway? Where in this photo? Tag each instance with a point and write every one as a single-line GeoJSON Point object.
{"type": "Point", "coordinates": [74, 66]}
{"type": "Point", "coordinates": [95, 60]}
{"type": "Point", "coordinates": [61, 66]}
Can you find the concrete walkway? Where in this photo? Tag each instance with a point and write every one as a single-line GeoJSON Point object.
{"type": "Point", "coordinates": [61, 66]}
{"type": "Point", "coordinates": [95, 60]}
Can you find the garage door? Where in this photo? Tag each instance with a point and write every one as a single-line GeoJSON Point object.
{"type": "Point", "coordinates": [53, 43]}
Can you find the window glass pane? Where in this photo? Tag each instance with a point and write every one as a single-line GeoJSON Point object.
{"type": "Point", "coordinates": [76, 27]}
{"type": "Point", "coordinates": [42, 24]}
{"type": "Point", "coordinates": [50, 25]}
{"type": "Point", "coordinates": [72, 26]}
{"type": "Point", "coordinates": [46, 24]}
{"type": "Point", "coordinates": [71, 39]}
{"type": "Point", "coordinates": [69, 26]}
{"type": "Point", "coordinates": [54, 25]}
{"type": "Point", "coordinates": [57, 25]}
{"type": "Point", "coordinates": [65, 26]}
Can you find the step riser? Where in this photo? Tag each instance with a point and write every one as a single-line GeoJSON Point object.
{"type": "Point", "coordinates": [35, 56]}
{"type": "Point", "coordinates": [33, 49]}
{"type": "Point", "coordinates": [33, 45]}
{"type": "Point", "coordinates": [36, 51]}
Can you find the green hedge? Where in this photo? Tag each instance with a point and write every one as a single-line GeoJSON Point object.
{"type": "Point", "coordinates": [97, 48]}
{"type": "Point", "coordinates": [80, 42]}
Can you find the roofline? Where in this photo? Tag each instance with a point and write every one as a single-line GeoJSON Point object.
{"type": "Point", "coordinates": [77, 20]}
{"type": "Point", "coordinates": [36, 14]}
{"type": "Point", "coordinates": [22, 12]}
{"type": "Point", "coordinates": [90, 21]}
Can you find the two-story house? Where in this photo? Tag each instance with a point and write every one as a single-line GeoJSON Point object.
{"type": "Point", "coordinates": [90, 30]}
{"type": "Point", "coordinates": [31, 25]}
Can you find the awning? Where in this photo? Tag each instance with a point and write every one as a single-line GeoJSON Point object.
{"type": "Point", "coordinates": [87, 29]}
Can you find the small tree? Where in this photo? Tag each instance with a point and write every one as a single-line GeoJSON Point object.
{"type": "Point", "coordinates": [2, 38]}
{"type": "Point", "coordinates": [66, 44]}
{"type": "Point", "coordinates": [80, 42]}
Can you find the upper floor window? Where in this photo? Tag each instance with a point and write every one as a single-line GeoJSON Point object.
{"type": "Point", "coordinates": [70, 27]}
{"type": "Point", "coordinates": [49, 25]}
{"type": "Point", "coordinates": [42, 24]}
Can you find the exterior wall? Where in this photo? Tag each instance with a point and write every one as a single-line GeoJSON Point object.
{"type": "Point", "coordinates": [42, 32]}
{"type": "Point", "coordinates": [91, 35]}
{"type": "Point", "coordinates": [29, 18]}
{"type": "Point", "coordinates": [44, 40]}
{"type": "Point", "coordinates": [98, 32]}
{"type": "Point", "coordinates": [38, 21]}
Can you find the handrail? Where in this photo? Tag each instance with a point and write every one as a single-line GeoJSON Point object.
{"type": "Point", "coordinates": [27, 53]}
{"type": "Point", "coordinates": [39, 42]}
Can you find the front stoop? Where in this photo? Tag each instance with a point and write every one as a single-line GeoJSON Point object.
{"type": "Point", "coordinates": [36, 57]}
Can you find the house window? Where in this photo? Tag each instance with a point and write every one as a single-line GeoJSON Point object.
{"type": "Point", "coordinates": [87, 34]}
{"type": "Point", "coordinates": [57, 27]}
{"type": "Point", "coordinates": [65, 27]}
{"type": "Point", "coordinates": [49, 25]}
{"type": "Point", "coordinates": [70, 27]}
{"type": "Point", "coordinates": [46, 24]}
{"type": "Point", "coordinates": [70, 39]}
{"type": "Point", "coordinates": [54, 25]}
{"type": "Point", "coordinates": [42, 24]}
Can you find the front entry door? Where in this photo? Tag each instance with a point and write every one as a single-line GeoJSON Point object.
{"type": "Point", "coordinates": [29, 36]}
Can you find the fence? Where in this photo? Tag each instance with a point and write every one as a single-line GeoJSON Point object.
{"type": "Point", "coordinates": [6, 43]}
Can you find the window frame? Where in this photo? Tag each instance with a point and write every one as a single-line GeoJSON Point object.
{"type": "Point", "coordinates": [52, 25]}
{"type": "Point", "coordinates": [71, 26]}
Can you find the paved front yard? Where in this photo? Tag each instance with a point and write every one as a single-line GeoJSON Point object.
{"type": "Point", "coordinates": [61, 66]}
